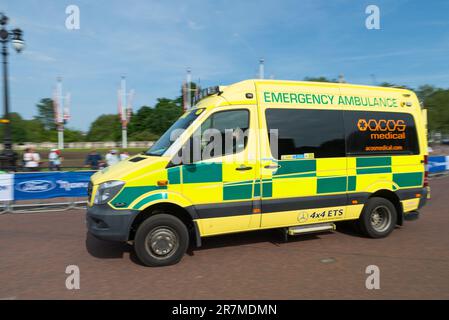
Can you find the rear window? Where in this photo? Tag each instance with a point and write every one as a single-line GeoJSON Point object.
{"type": "Point", "coordinates": [380, 133]}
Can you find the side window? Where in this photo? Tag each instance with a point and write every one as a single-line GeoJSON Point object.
{"type": "Point", "coordinates": [296, 133]}
{"type": "Point", "coordinates": [223, 133]}
{"type": "Point", "coordinates": [380, 133]}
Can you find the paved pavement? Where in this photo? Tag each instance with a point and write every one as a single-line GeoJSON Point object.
{"type": "Point", "coordinates": [35, 250]}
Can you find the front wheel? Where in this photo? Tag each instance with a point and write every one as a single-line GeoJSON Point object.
{"type": "Point", "coordinates": [161, 240]}
{"type": "Point", "coordinates": [378, 218]}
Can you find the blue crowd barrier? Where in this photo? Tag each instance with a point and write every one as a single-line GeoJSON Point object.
{"type": "Point", "coordinates": [45, 185]}
{"type": "Point", "coordinates": [438, 164]}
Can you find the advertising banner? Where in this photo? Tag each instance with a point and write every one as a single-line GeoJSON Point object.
{"type": "Point", "coordinates": [6, 187]}
{"type": "Point", "coordinates": [44, 185]}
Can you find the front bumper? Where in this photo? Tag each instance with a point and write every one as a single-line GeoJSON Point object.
{"type": "Point", "coordinates": [106, 223]}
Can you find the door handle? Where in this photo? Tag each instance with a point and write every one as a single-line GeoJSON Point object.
{"type": "Point", "coordinates": [272, 166]}
{"type": "Point", "coordinates": [243, 168]}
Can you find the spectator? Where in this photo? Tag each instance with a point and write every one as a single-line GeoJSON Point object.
{"type": "Point", "coordinates": [112, 158]}
{"type": "Point", "coordinates": [54, 160]}
{"type": "Point", "coordinates": [124, 155]}
{"type": "Point", "coordinates": [93, 160]}
{"type": "Point", "coordinates": [31, 160]}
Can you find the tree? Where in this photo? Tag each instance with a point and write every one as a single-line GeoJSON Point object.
{"type": "Point", "coordinates": [137, 124]}
{"type": "Point", "coordinates": [46, 113]}
{"type": "Point", "coordinates": [72, 135]}
{"type": "Point", "coordinates": [166, 112]}
{"type": "Point", "coordinates": [425, 91]}
{"type": "Point", "coordinates": [36, 131]}
{"type": "Point", "coordinates": [18, 127]}
{"type": "Point", "coordinates": [106, 127]}
{"type": "Point", "coordinates": [437, 104]}
{"type": "Point", "coordinates": [153, 122]}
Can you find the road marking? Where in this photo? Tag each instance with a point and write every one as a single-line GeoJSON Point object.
{"type": "Point", "coordinates": [327, 260]}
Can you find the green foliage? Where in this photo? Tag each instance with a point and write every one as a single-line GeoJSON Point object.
{"type": "Point", "coordinates": [423, 92]}
{"type": "Point", "coordinates": [143, 136]}
{"type": "Point", "coordinates": [46, 114]}
{"type": "Point", "coordinates": [71, 135]}
{"type": "Point", "coordinates": [153, 122]}
{"type": "Point", "coordinates": [36, 131]}
{"type": "Point", "coordinates": [25, 130]}
{"type": "Point", "coordinates": [106, 127]}
{"type": "Point", "coordinates": [437, 104]}
{"type": "Point", "coordinates": [18, 127]}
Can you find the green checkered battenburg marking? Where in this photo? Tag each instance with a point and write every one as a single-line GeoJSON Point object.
{"type": "Point", "coordinates": [295, 166]}
{"type": "Point", "coordinates": [333, 184]}
{"type": "Point", "coordinates": [352, 182]}
{"type": "Point", "coordinates": [202, 173]}
{"type": "Point", "coordinates": [151, 198]}
{"type": "Point", "coordinates": [129, 194]}
{"type": "Point", "coordinates": [373, 162]}
{"type": "Point", "coordinates": [174, 175]}
{"type": "Point", "coordinates": [267, 189]}
{"type": "Point", "coordinates": [408, 179]}
{"type": "Point", "coordinates": [237, 192]}
{"type": "Point", "coordinates": [374, 170]}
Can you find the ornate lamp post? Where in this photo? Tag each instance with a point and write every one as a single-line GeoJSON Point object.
{"type": "Point", "coordinates": [8, 157]}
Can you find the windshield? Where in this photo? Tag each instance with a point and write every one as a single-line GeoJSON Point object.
{"type": "Point", "coordinates": [170, 136]}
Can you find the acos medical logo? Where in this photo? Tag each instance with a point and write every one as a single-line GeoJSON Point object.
{"type": "Point", "coordinates": [383, 129]}
{"type": "Point", "coordinates": [35, 186]}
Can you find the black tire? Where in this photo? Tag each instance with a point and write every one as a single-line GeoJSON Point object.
{"type": "Point", "coordinates": [378, 218]}
{"type": "Point", "coordinates": [161, 240]}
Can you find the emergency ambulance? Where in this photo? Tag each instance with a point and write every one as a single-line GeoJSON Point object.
{"type": "Point", "coordinates": [306, 156]}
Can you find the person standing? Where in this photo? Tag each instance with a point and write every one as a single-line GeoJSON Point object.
{"type": "Point", "coordinates": [93, 160]}
{"type": "Point", "coordinates": [31, 160]}
{"type": "Point", "coordinates": [112, 158]}
{"type": "Point", "coordinates": [54, 160]}
{"type": "Point", "coordinates": [124, 155]}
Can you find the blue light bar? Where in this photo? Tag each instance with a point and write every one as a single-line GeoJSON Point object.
{"type": "Point", "coordinates": [206, 92]}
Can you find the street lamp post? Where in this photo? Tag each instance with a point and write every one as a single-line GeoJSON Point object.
{"type": "Point", "coordinates": [8, 157]}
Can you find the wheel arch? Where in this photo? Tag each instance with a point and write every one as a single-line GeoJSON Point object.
{"type": "Point", "coordinates": [394, 199]}
{"type": "Point", "coordinates": [186, 215]}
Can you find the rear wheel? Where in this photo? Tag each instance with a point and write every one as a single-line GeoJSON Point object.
{"type": "Point", "coordinates": [161, 240]}
{"type": "Point", "coordinates": [378, 218]}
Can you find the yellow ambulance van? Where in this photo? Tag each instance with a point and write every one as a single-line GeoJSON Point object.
{"type": "Point", "coordinates": [261, 154]}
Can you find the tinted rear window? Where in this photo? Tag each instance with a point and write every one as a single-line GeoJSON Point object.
{"type": "Point", "coordinates": [380, 133]}
{"type": "Point", "coordinates": [318, 133]}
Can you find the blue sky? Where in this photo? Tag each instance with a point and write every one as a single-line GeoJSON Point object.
{"type": "Point", "coordinates": [153, 42]}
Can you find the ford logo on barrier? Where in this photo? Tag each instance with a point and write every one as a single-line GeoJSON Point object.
{"type": "Point", "coordinates": [35, 186]}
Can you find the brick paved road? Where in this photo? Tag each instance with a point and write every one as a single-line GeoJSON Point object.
{"type": "Point", "coordinates": [414, 262]}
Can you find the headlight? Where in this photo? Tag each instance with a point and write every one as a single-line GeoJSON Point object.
{"type": "Point", "coordinates": [107, 190]}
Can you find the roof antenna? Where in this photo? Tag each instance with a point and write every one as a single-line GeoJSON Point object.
{"type": "Point", "coordinates": [261, 69]}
